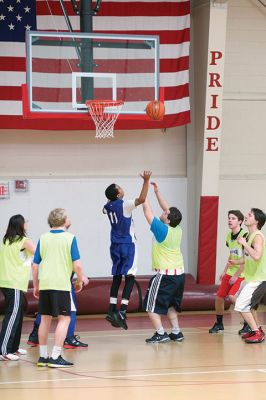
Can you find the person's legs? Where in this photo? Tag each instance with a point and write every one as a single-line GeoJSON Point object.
{"type": "Point", "coordinates": [43, 333]}
{"type": "Point", "coordinates": [72, 341]}
{"type": "Point", "coordinates": [56, 361]}
{"type": "Point", "coordinates": [16, 343]}
{"type": "Point", "coordinates": [223, 291]}
{"type": "Point", "coordinates": [243, 306]}
{"type": "Point", "coordinates": [11, 327]}
{"type": "Point", "coordinates": [44, 329]}
{"type": "Point", "coordinates": [219, 305]}
{"type": "Point", "coordinates": [111, 315]}
{"type": "Point", "coordinates": [175, 334]}
{"type": "Point", "coordinates": [156, 322]}
{"type": "Point", "coordinates": [61, 307]}
{"type": "Point", "coordinates": [117, 279]}
{"type": "Point", "coordinates": [248, 317]}
{"type": "Point", "coordinates": [255, 316]}
{"type": "Point", "coordinates": [54, 303]}
{"type": "Point", "coordinates": [129, 283]}
{"type": "Point", "coordinates": [163, 297]}
{"type": "Point", "coordinates": [233, 294]}
{"type": "Point", "coordinates": [60, 335]}
{"type": "Point", "coordinates": [33, 339]}
{"type": "Point", "coordinates": [160, 335]}
{"type": "Point", "coordinates": [219, 308]}
{"type": "Point", "coordinates": [61, 330]}
{"type": "Point", "coordinates": [72, 324]}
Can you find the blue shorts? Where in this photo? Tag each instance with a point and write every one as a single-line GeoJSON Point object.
{"type": "Point", "coordinates": [164, 291]}
{"type": "Point", "coordinates": [124, 258]}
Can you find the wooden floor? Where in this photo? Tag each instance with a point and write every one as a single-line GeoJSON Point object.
{"type": "Point", "coordinates": [119, 365]}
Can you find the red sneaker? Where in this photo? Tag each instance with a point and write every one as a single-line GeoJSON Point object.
{"type": "Point", "coordinates": [257, 337]}
{"type": "Point", "coordinates": [262, 331]}
{"type": "Point", "coordinates": [247, 335]}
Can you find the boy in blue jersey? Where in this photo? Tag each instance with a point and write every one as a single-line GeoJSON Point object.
{"type": "Point", "coordinates": [123, 249]}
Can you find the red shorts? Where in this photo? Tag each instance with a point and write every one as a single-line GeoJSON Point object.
{"type": "Point", "coordinates": [226, 288]}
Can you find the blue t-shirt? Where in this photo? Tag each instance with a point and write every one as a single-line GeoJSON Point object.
{"type": "Point", "coordinates": [74, 249]}
{"type": "Point", "coordinates": [159, 229]}
{"type": "Point", "coordinates": [120, 216]}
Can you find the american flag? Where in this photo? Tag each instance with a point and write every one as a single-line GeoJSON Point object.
{"type": "Point", "coordinates": [168, 19]}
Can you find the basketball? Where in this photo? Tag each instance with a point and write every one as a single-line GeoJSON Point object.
{"type": "Point", "coordinates": [155, 110]}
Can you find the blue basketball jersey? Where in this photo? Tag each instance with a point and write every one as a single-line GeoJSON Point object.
{"type": "Point", "coordinates": [120, 216]}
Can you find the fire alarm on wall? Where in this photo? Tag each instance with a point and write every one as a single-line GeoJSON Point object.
{"type": "Point", "coordinates": [21, 185]}
{"type": "Point", "coordinates": [4, 190]}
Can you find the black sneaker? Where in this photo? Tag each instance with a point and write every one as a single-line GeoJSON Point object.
{"type": "Point", "coordinates": [59, 363]}
{"type": "Point", "coordinates": [157, 338]}
{"type": "Point", "coordinates": [216, 328]}
{"type": "Point", "coordinates": [122, 317]}
{"type": "Point", "coordinates": [244, 329]}
{"type": "Point", "coordinates": [113, 319]}
{"type": "Point", "coordinates": [176, 337]}
{"type": "Point", "coordinates": [72, 342]}
{"type": "Point", "coordinates": [42, 362]}
{"type": "Point", "coordinates": [33, 339]}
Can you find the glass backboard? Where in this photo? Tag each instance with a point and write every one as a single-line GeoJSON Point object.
{"type": "Point", "coordinates": [66, 69]}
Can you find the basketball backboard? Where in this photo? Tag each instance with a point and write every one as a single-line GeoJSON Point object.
{"type": "Point", "coordinates": [66, 69]}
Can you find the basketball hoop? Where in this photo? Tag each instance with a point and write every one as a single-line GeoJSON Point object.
{"type": "Point", "coordinates": [104, 114]}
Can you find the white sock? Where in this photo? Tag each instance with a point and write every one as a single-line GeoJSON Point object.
{"type": "Point", "coordinates": [175, 330]}
{"type": "Point", "coordinates": [43, 351]}
{"type": "Point", "coordinates": [56, 352]}
{"type": "Point", "coordinates": [160, 330]}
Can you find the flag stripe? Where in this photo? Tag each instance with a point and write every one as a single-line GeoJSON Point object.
{"type": "Point", "coordinates": [133, 9]}
{"type": "Point", "coordinates": [58, 23]}
{"type": "Point", "coordinates": [67, 66]}
{"type": "Point", "coordinates": [69, 124]}
{"type": "Point", "coordinates": [14, 78]}
{"type": "Point", "coordinates": [65, 95]}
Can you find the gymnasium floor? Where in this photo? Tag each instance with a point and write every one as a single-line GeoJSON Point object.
{"type": "Point", "coordinates": [120, 365]}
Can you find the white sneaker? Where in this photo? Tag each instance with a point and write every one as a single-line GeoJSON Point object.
{"type": "Point", "coordinates": [10, 357]}
{"type": "Point", "coordinates": [21, 352]}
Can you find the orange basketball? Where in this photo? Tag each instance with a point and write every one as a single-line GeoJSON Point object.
{"type": "Point", "coordinates": [155, 110]}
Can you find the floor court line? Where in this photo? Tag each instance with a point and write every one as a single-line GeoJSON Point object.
{"type": "Point", "coordinates": [187, 373]}
{"type": "Point", "coordinates": [105, 334]}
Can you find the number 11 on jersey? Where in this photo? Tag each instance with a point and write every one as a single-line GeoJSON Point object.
{"type": "Point", "coordinates": [113, 217]}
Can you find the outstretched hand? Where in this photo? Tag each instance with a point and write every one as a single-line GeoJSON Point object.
{"type": "Point", "coordinates": [146, 175]}
{"type": "Point", "coordinates": [155, 186]}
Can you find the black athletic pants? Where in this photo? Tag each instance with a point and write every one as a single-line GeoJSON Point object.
{"type": "Point", "coordinates": [12, 323]}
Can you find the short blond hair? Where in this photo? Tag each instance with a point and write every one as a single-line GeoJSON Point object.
{"type": "Point", "coordinates": [57, 217]}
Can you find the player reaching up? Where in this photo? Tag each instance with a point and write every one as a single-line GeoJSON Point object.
{"type": "Point", "coordinates": [165, 291]}
{"type": "Point", "coordinates": [123, 246]}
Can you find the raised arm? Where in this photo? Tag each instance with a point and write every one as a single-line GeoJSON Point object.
{"type": "Point", "coordinates": [145, 187]}
{"type": "Point", "coordinates": [161, 200]}
{"type": "Point", "coordinates": [148, 211]}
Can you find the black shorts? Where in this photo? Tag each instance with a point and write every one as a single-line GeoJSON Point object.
{"type": "Point", "coordinates": [54, 303]}
{"type": "Point", "coordinates": [258, 296]}
{"type": "Point", "coordinates": [164, 291]}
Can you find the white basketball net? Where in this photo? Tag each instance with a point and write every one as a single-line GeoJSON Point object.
{"type": "Point", "coordinates": [104, 114]}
